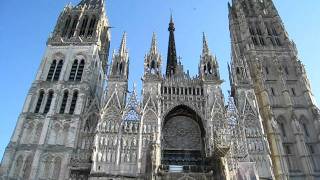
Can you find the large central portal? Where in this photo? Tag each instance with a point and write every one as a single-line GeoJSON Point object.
{"type": "Point", "coordinates": [182, 141]}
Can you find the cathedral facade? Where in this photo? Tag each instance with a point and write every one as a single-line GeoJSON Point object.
{"type": "Point", "coordinates": [81, 122]}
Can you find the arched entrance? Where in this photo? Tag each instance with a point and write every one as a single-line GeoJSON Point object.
{"type": "Point", "coordinates": [182, 141]}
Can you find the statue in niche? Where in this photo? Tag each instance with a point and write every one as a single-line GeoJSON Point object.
{"type": "Point", "coordinates": [109, 156]}
{"type": "Point", "coordinates": [115, 141]}
{"type": "Point", "coordinates": [111, 127]}
{"type": "Point", "coordinates": [134, 156]}
{"type": "Point", "coordinates": [145, 129]}
{"type": "Point", "coordinates": [128, 157]}
{"type": "Point", "coordinates": [134, 142]}
{"type": "Point", "coordinates": [130, 127]}
{"type": "Point", "coordinates": [122, 156]}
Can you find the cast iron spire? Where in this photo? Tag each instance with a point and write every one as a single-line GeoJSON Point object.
{"type": "Point", "coordinates": [172, 55]}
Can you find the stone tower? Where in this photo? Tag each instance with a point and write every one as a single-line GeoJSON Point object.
{"type": "Point", "coordinates": [270, 85]}
{"type": "Point", "coordinates": [54, 135]}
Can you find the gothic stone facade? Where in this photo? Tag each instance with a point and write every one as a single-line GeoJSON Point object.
{"type": "Point", "coordinates": [72, 127]}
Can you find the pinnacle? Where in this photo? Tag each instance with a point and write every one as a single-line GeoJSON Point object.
{"type": "Point", "coordinates": [205, 47]}
{"type": "Point", "coordinates": [153, 48]}
{"type": "Point", "coordinates": [123, 46]}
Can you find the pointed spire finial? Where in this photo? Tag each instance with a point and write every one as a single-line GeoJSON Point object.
{"type": "Point", "coordinates": [205, 47]}
{"type": "Point", "coordinates": [153, 48]}
{"type": "Point", "coordinates": [171, 24]}
{"type": "Point", "coordinates": [123, 46]}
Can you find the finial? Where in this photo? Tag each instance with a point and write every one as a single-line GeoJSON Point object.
{"type": "Point", "coordinates": [153, 48]}
{"type": "Point", "coordinates": [171, 24]}
{"type": "Point", "coordinates": [123, 46]}
{"type": "Point", "coordinates": [205, 48]}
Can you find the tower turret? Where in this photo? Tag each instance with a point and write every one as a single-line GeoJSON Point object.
{"type": "Point", "coordinates": [120, 61]}
{"type": "Point", "coordinates": [152, 62]}
{"type": "Point", "coordinates": [209, 68]}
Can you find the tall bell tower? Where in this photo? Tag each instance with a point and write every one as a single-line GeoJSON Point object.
{"type": "Point", "coordinates": [54, 134]}
{"type": "Point", "coordinates": [267, 75]}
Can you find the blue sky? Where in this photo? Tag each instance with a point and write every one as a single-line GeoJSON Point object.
{"type": "Point", "coordinates": [26, 26]}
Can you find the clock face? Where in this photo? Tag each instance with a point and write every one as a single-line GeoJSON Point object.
{"type": "Point", "coordinates": [182, 133]}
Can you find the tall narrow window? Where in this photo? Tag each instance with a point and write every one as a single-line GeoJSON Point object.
{"type": "Point", "coordinates": [251, 31]}
{"type": "Point", "coordinates": [73, 70]}
{"type": "Point", "coordinates": [262, 41]}
{"type": "Point", "coordinates": [66, 27]}
{"type": "Point", "coordinates": [272, 91]}
{"type": "Point", "coordinates": [259, 31]}
{"type": "Point", "coordinates": [73, 27]}
{"type": "Point", "coordinates": [91, 26]}
{"type": "Point", "coordinates": [51, 70]}
{"type": "Point", "coordinates": [39, 102]}
{"type": "Point", "coordinates": [305, 128]}
{"type": "Point", "coordinates": [254, 40]}
{"type": "Point", "coordinates": [58, 71]}
{"type": "Point", "coordinates": [73, 102]}
{"type": "Point", "coordinates": [267, 70]}
{"type": "Point", "coordinates": [283, 130]}
{"type": "Point", "coordinates": [84, 25]}
{"type": "Point", "coordinates": [293, 91]}
{"type": "Point", "coordinates": [278, 41]}
{"type": "Point", "coordinates": [287, 149]}
{"type": "Point", "coordinates": [286, 70]}
{"type": "Point", "coordinates": [80, 71]}
{"type": "Point", "coordinates": [48, 103]}
{"type": "Point", "coordinates": [64, 102]}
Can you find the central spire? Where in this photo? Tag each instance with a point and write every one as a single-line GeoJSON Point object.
{"type": "Point", "coordinates": [172, 55]}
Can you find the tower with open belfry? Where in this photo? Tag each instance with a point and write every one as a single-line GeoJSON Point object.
{"type": "Point", "coordinates": [81, 121]}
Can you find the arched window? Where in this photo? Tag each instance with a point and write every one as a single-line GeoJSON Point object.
{"type": "Point", "coordinates": [120, 68]}
{"type": "Point", "coordinates": [73, 27]}
{"type": "Point", "coordinates": [153, 64]}
{"type": "Point", "coordinates": [283, 130]}
{"type": "Point", "coordinates": [73, 70]}
{"type": "Point", "coordinates": [76, 70]}
{"type": "Point", "coordinates": [58, 71]}
{"type": "Point", "coordinates": [84, 25]}
{"type": "Point", "coordinates": [56, 168]}
{"type": "Point", "coordinates": [209, 68]}
{"type": "Point", "coordinates": [286, 70]}
{"type": "Point", "coordinates": [272, 92]}
{"type": "Point", "coordinates": [91, 26]}
{"type": "Point", "coordinates": [39, 102]}
{"type": "Point", "coordinates": [27, 168]}
{"type": "Point", "coordinates": [80, 71]}
{"type": "Point", "coordinates": [267, 70]}
{"type": "Point", "coordinates": [73, 102]}
{"type": "Point", "coordinates": [51, 70]}
{"type": "Point", "coordinates": [305, 129]}
{"type": "Point", "coordinates": [48, 103]}
{"type": "Point", "coordinates": [18, 166]}
{"type": "Point", "coordinates": [66, 27]}
{"type": "Point", "coordinates": [64, 101]}
{"type": "Point", "coordinates": [293, 91]}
